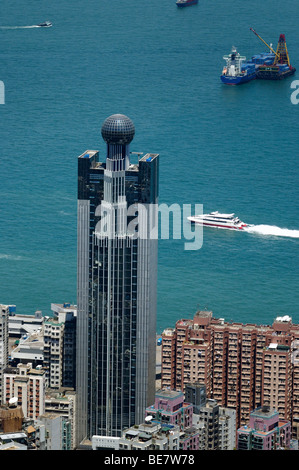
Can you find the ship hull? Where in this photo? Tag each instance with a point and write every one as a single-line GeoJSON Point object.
{"type": "Point", "coordinates": [205, 223]}
{"type": "Point", "coordinates": [237, 80]}
{"type": "Point", "coordinates": [227, 227]}
{"type": "Point", "coordinates": [186, 4]}
{"type": "Point", "coordinates": [266, 74]}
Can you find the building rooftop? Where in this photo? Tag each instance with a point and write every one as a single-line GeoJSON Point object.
{"type": "Point", "coordinates": [264, 412]}
{"type": "Point", "coordinates": [168, 332]}
{"type": "Point", "coordinates": [169, 394]}
{"type": "Point", "coordinates": [146, 431]}
{"type": "Point", "coordinates": [285, 318]}
{"type": "Point", "coordinates": [148, 157]}
{"type": "Point", "coordinates": [88, 154]}
{"type": "Point", "coordinates": [204, 314]}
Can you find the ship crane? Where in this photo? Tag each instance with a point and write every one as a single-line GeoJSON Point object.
{"type": "Point", "coordinates": [281, 54]}
{"type": "Point", "coordinates": [282, 51]}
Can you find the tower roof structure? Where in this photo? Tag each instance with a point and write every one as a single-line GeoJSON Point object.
{"type": "Point", "coordinates": [118, 129]}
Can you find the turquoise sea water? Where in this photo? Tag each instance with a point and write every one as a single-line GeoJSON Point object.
{"type": "Point", "coordinates": [232, 149]}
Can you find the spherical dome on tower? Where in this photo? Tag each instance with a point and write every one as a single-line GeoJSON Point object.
{"type": "Point", "coordinates": [118, 129]}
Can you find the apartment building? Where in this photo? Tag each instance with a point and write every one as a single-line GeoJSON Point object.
{"type": "Point", "coordinates": [265, 431]}
{"type": "Point", "coordinates": [227, 429]}
{"type": "Point", "coordinates": [53, 352]}
{"type": "Point", "coordinates": [243, 366]}
{"type": "Point", "coordinates": [26, 386]}
{"type": "Point", "coordinates": [277, 379]}
{"type": "Point", "coordinates": [150, 436]}
{"type": "Point", "coordinates": [63, 402]}
{"type": "Point", "coordinates": [66, 314]}
{"type": "Point", "coordinates": [170, 408]}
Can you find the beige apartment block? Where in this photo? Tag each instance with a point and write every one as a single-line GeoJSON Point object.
{"type": "Point", "coordinates": [27, 387]}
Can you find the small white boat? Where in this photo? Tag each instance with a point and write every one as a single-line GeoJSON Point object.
{"type": "Point", "coordinates": [45, 24]}
{"type": "Point", "coordinates": [186, 3]}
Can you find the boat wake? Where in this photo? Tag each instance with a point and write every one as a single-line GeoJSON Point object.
{"type": "Point", "coordinates": [272, 230]}
{"type": "Point", "coordinates": [10, 257]}
{"type": "Point", "coordinates": [20, 27]}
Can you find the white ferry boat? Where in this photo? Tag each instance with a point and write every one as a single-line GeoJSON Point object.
{"type": "Point", "coordinates": [215, 219]}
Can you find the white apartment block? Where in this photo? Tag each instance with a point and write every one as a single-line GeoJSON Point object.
{"type": "Point", "coordinates": [54, 426]}
{"type": "Point", "coordinates": [53, 349]}
{"type": "Point", "coordinates": [63, 404]}
{"type": "Point", "coordinates": [147, 436]}
{"type": "Point", "coordinates": [227, 428]}
{"type": "Point", "coordinates": [105, 443]}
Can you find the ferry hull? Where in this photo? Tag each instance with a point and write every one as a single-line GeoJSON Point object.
{"type": "Point", "coordinates": [227, 227]}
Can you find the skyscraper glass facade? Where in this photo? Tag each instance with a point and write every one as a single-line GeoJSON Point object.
{"type": "Point", "coordinates": [117, 275]}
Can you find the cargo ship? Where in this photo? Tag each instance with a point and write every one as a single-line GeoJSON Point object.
{"type": "Point", "coordinates": [217, 220]}
{"type": "Point", "coordinates": [274, 65]}
{"type": "Point", "coordinates": [186, 3]}
{"type": "Point", "coordinates": [237, 69]}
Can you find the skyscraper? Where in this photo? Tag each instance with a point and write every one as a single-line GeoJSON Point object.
{"type": "Point", "coordinates": [116, 284]}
